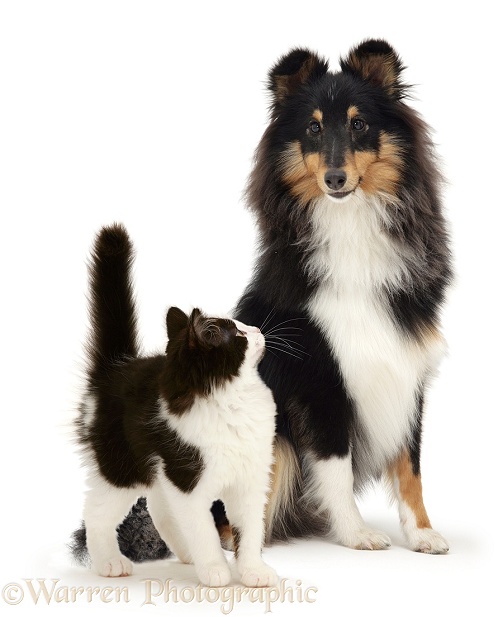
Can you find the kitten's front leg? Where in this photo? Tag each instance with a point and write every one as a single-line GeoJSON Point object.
{"type": "Point", "coordinates": [246, 513]}
{"type": "Point", "coordinates": [193, 515]}
{"type": "Point", "coordinates": [209, 560]}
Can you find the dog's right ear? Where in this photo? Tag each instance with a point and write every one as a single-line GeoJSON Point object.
{"type": "Point", "coordinates": [291, 72]}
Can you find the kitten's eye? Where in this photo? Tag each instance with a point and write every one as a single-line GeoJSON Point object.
{"type": "Point", "coordinates": [358, 124]}
{"type": "Point", "coordinates": [315, 127]}
{"type": "Point", "coordinates": [240, 333]}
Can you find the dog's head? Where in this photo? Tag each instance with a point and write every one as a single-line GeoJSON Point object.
{"type": "Point", "coordinates": [339, 132]}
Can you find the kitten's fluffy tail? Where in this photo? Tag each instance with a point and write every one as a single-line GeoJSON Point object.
{"type": "Point", "coordinates": [112, 306]}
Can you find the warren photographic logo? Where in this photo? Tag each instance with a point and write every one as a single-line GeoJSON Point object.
{"type": "Point", "coordinates": [156, 592]}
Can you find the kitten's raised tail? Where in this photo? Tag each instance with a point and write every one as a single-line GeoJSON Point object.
{"type": "Point", "coordinates": [112, 306]}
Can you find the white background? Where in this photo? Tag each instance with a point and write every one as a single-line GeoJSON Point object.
{"type": "Point", "coordinates": [149, 113]}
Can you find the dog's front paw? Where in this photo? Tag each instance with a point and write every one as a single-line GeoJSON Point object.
{"type": "Point", "coordinates": [258, 576]}
{"type": "Point", "coordinates": [426, 540]}
{"type": "Point", "coordinates": [366, 539]}
{"type": "Point", "coordinates": [113, 567]}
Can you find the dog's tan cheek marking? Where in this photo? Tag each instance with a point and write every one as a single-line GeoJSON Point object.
{"type": "Point", "coordinates": [381, 173]}
{"type": "Point", "coordinates": [301, 173]}
{"type": "Point", "coordinates": [362, 160]}
{"type": "Point", "coordinates": [410, 489]}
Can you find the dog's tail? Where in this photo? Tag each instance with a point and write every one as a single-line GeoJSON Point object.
{"type": "Point", "coordinates": [287, 514]}
{"type": "Point", "coordinates": [284, 491]}
{"type": "Point", "coordinates": [113, 319]}
{"type": "Point", "coordinates": [137, 537]}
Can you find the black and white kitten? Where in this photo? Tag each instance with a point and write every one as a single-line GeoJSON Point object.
{"type": "Point", "coordinates": [182, 429]}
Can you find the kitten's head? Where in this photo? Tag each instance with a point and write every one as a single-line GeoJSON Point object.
{"type": "Point", "coordinates": [205, 352]}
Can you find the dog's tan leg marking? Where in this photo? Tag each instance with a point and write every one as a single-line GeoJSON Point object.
{"type": "Point", "coordinates": [413, 515]}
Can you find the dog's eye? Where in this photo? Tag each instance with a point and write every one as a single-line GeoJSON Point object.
{"type": "Point", "coordinates": [315, 127]}
{"type": "Point", "coordinates": [358, 124]}
{"type": "Point", "coordinates": [240, 333]}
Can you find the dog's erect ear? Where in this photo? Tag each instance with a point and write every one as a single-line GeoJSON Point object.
{"type": "Point", "coordinates": [176, 320]}
{"type": "Point", "coordinates": [376, 62]}
{"type": "Point", "coordinates": [292, 71]}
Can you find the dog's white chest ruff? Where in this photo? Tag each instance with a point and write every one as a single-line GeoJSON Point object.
{"type": "Point", "coordinates": [382, 368]}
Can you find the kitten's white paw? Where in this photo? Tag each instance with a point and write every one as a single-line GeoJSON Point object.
{"type": "Point", "coordinates": [259, 576]}
{"type": "Point", "coordinates": [115, 566]}
{"type": "Point", "coordinates": [366, 539]}
{"type": "Point", "coordinates": [183, 556]}
{"type": "Point", "coordinates": [214, 575]}
{"type": "Point", "coordinates": [427, 540]}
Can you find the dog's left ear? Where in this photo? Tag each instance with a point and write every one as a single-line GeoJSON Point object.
{"type": "Point", "coordinates": [376, 62]}
{"type": "Point", "coordinates": [292, 71]}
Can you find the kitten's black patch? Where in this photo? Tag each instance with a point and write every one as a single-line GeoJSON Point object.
{"type": "Point", "coordinates": [202, 353]}
{"type": "Point", "coordinates": [182, 462]}
{"type": "Point", "coordinates": [129, 432]}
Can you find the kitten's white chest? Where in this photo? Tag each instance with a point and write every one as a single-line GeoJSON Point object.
{"type": "Point", "coordinates": [234, 429]}
{"type": "Point", "coordinates": [381, 367]}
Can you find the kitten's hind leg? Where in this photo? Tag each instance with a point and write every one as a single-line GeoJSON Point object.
{"type": "Point", "coordinates": [166, 524]}
{"type": "Point", "coordinates": [105, 508]}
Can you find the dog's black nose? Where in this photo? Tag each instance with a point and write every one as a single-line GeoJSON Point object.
{"type": "Point", "coordinates": [335, 179]}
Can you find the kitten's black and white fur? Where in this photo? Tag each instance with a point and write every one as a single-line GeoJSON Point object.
{"type": "Point", "coordinates": [182, 428]}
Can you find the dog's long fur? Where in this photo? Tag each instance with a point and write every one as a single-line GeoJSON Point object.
{"type": "Point", "coordinates": [353, 267]}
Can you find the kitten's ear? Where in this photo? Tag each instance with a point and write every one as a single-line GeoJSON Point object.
{"type": "Point", "coordinates": [176, 320]}
{"type": "Point", "coordinates": [377, 62]}
{"type": "Point", "coordinates": [204, 331]}
{"type": "Point", "coordinates": [292, 71]}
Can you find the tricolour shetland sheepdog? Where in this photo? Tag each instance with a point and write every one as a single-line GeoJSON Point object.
{"type": "Point", "coordinates": [353, 266]}
{"type": "Point", "coordinates": [352, 271]}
